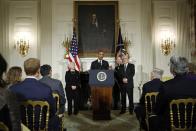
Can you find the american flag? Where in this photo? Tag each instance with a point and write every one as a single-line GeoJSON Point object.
{"type": "Point", "coordinates": [73, 52]}
{"type": "Point", "coordinates": [120, 45]}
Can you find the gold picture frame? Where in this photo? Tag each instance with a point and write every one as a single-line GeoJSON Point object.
{"type": "Point", "coordinates": [96, 24]}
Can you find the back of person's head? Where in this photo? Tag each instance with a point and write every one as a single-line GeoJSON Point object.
{"type": "Point", "coordinates": [178, 65]}
{"type": "Point", "coordinates": [14, 75]}
{"type": "Point", "coordinates": [156, 73]}
{"type": "Point", "coordinates": [192, 68]}
{"type": "Point", "coordinates": [3, 68]}
{"type": "Point", "coordinates": [31, 66]}
{"type": "Point", "coordinates": [45, 70]}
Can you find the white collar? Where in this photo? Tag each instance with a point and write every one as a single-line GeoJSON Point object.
{"type": "Point", "coordinates": [32, 77]}
{"type": "Point", "coordinates": [126, 64]}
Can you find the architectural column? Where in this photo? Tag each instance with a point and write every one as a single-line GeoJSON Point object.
{"type": "Point", "coordinates": [46, 31]}
{"type": "Point", "coordinates": [147, 44]}
{"type": "Point", "coordinates": [4, 30]}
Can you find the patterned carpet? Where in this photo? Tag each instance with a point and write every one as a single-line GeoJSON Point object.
{"type": "Point", "coordinates": [84, 122]}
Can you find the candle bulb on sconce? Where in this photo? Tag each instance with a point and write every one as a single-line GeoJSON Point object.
{"type": "Point", "coordinates": [126, 42]}
{"type": "Point", "coordinates": [167, 45]}
{"type": "Point", "coordinates": [22, 46]}
{"type": "Point", "coordinates": [66, 44]}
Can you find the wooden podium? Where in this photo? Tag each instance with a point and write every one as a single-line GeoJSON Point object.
{"type": "Point", "coordinates": [101, 83]}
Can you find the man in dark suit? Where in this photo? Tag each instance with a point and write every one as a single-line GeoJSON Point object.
{"type": "Point", "coordinates": [179, 87]}
{"type": "Point", "coordinates": [116, 88]}
{"type": "Point", "coordinates": [32, 89]}
{"type": "Point", "coordinates": [126, 73]}
{"type": "Point", "coordinates": [151, 86]}
{"type": "Point", "coordinates": [100, 63]}
{"type": "Point", "coordinates": [54, 84]}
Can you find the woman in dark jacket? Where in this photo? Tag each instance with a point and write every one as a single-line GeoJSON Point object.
{"type": "Point", "coordinates": [9, 108]}
{"type": "Point", "coordinates": [72, 79]}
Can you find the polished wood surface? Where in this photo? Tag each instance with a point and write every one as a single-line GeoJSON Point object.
{"type": "Point", "coordinates": [101, 102]}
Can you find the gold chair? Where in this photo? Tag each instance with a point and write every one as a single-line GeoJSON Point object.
{"type": "Point", "coordinates": [183, 114]}
{"type": "Point", "coordinates": [150, 101]}
{"type": "Point", "coordinates": [35, 115]}
{"type": "Point", "coordinates": [57, 100]}
{"type": "Point", "coordinates": [3, 127]}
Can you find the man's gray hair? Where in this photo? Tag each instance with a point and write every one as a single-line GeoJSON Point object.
{"type": "Point", "coordinates": [157, 73]}
{"type": "Point", "coordinates": [178, 65]}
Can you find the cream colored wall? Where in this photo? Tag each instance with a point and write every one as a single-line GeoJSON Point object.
{"type": "Point", "coordinates": [164, 20]}
{"type": "Point", "coordinates": [62, 15]}
{"type": "Point", "coordinates": [23, 18]}
{"type": "Point", "coordinates": [49, 21]}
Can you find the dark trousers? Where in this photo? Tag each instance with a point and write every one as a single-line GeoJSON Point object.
{"type": "Point", "coordinates": [73, 95]}
{"type": "Point", "coordinates": [141, 115]}
{"type": "Point", "coordinates": [116, 95]}
{"type": "Point", "coordinates": [129, 91]}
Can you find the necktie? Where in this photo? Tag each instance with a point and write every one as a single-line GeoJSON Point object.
{"type": "Point", "coordinates": [100, 62]}
{"type": "Point", "coordinates": [125, 67]}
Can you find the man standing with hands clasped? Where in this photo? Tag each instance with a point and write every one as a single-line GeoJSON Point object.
{"type": "Point", "coordinates": [127, 71]}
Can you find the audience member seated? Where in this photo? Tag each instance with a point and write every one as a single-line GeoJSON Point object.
{"type": "Point", "coordinates": [32, 89]}
{"type": "Point", "coordinates": [151, 86]}
{"type": "Point", "coordinates": [9, 107]}
{"type": "Point", "coordinates": [177, 88]}
{"type": "Point", "coordinates": [72, 79]}
{"type": "Point", "coordinates": [192, 71]}
{"type": "Point", "coordinates": [55, 85]}
{"type": "Point", "coordinates": [14, 75]}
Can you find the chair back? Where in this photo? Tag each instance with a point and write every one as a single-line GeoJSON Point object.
{"type": "Point", "coordinates": [35, 115]}
{"type": "Point", "coordinates": [150, 101]}
{"type": "Point", "coordinates": [3, 127]}
{"type": "Point", "coordinates": [183, 114]}
{"type": "Point", "coordinates": [57, 100]}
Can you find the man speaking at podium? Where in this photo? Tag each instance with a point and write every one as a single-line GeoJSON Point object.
{"type": "Point", "coordinates": [100, 63]}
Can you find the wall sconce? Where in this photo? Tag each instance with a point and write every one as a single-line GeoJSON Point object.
{"type": "Point", "coordinates": [167, 43]}
{"type": "Point", "coordinates": [126, 43]}
{"type": "Point", "coordinates": [22, 46]}
{"type": "Point", "coordinates": [66, 44]}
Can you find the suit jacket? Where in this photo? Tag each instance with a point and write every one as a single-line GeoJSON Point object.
{"type": "Point", "coordinates": [9, 110]}
{"type": "Point", "coordinates": [176, 88]}
{"type": "Point", "coordinates": [55, 85]}
{"type": "Point", "coordinates": [96, 65]}
{"type": "Point", "coordinates": [151, 86]}
{"type": "Point", "coordinates": [72, 79]}
{"type": "Point", "coordinates": [32, 89]}
{"type": "Point", "coordinates": [129, 73]}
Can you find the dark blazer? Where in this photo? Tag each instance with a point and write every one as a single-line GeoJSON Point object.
{"type": "Point", "coordinates": [32, 89]}
{"type": "Point", "coordinates": [178, 87]}
{"type": "Point", "coordinates": [117, 73]}
{"type": "Point", "coordinates": [9, 110]}
{"type": "Point", "coordinates": [96, 65]}
{"type": "Point", "coordinates": [72, 79]}
{"type": "Point", "coordinates": [129, 73]}
{"type": "Point", "coordinates": [151, 86]}
{"type": "Point", "coordinates": [55, 85]}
